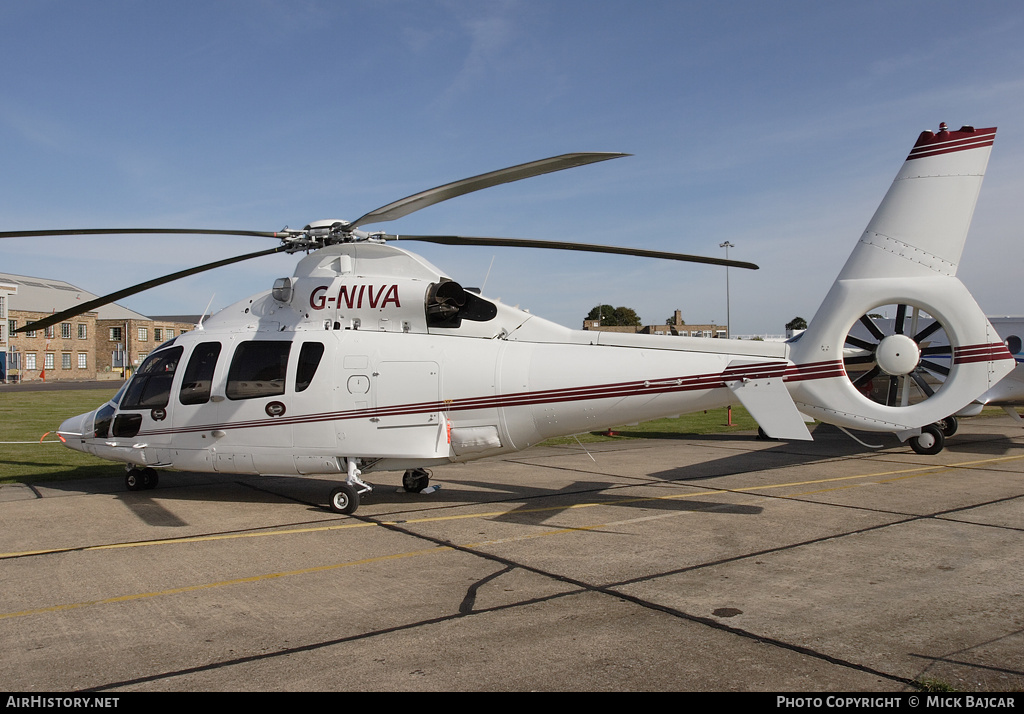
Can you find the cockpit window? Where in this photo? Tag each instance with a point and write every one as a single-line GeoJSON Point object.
{"type": "Point", "coordinates": [150, 388]}
{"type": "Point", "coordinates": [309, 360]}
{"type": "Point", "coordinates": [198, 378]}
{"type": "Point", "coordinates": [116, 399]}
{"type": "Point", "coordinates": [258, 370]}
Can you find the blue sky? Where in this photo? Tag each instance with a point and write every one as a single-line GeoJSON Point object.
{"type": "Point", "coordinates": [777, 126]}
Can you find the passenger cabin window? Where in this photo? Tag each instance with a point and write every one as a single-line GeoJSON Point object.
{"type": "Point", "coordinates": [258, 370]}
{"type": "Point", "coordinates": [198, 378]}
{"type": "Point", "coordinates": [309, 360]}
{"type": "Point", "coordinates": [150, 388]}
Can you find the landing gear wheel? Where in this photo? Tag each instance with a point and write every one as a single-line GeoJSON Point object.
{"type": "Point", "coordinates": [141, 479]}
{"type": "Point", "coordinates": [344, 499]}
{"type": "Point", "coordinates": [150, 478]}
{"type": "Point", "coordinates": [930, 442]}
{"type": "Point", "coordinates": [134, 480]}
{"type": "Point", "coordinates": [948, 425]}
{"type": "Point", "coordinates": [415, 480]}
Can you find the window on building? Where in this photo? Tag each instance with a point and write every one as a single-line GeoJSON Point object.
{"type": "Point", "coordinates": [48, 361]}
{"type": "Point", "coordinates": [65, 330]}
{"type": "Point", "coordinates": [30, 333]}
{"type": "Point", "coordinates": [49, 331]}
{"type": "Point", "coordinates": [143, 334]}
{"type": "Point", "coordinates": [82, 360]}
{"type": "Point", "coordinates": [115, 334]}
{"type": "Point", "coordinates": [82, 331]}
{"type": "Point", "coordinates": [65, 360]}
{"type": "Point", "coordinates": [158, 334]}
{"type": "Point", "coordinates": [12, 325]}
{"type": "Point", "coordinates": [258, 370]}
{"type": "Point", "coordinates": [30, 360]}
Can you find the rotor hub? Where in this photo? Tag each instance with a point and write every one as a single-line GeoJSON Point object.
{"type": "Point", "coordinates": [897, 355]}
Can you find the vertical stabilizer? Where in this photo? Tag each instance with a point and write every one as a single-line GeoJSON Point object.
{"type": "Point", "coordinates": [907, 258]}
{"type": "Point", "coordinates": [923, 219]}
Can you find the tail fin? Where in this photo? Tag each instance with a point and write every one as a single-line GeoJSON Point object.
{"type": "Point", "coordinates": [907, 258]}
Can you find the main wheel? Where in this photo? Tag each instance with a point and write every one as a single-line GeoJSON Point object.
{"type": "Point", "coordinates": [930, 442]}
{"type": "Point", "coordinates": [134, 480]}
{"type": "Point", "coordinates": [415, 480]}
{"type": "Point", "coordinates": [948, 425]}
{"type": "Point", "coordinates": [150, 478]}
{"type": "Point", "coordinates": [344, 499]}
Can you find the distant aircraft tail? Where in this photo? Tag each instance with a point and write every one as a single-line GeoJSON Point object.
{"type": "Point", "coordinates": [905, 264]}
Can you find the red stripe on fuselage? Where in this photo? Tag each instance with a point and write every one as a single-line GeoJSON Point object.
{"type": "Point", "coordinates": [828, 369]}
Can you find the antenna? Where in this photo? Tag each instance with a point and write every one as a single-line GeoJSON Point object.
{"type": "Point", "coordinates": [488, 274]}
{"type": "Point", "coordinates": [203, 316]}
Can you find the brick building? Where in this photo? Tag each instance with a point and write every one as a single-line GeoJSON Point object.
{"type": "Point", "coordinates": [104, 344]}
{"type": "Point", "coordinates": [675, 327]}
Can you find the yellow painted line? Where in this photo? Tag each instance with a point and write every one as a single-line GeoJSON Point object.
{"type": "Point", "coordinates": [900, 474]}
{"type": "Point", "coordinates": [220, 584]}
{"type": "Point", "coordinates": [189, 539]}
{"type": "Point", "coordinates": [303, 571]}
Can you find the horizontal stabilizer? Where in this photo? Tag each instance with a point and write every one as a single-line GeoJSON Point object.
{"type": "Point", "coordinates": [769, 402]}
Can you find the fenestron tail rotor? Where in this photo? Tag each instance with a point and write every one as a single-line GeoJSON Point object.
{"type": "Point", "coordinates": [894, 355]}
{"type": "Point", "coordinates": [322, 233]}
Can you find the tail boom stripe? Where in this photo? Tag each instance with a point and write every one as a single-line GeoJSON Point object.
{"type": "Point", "coordinates": [981, 353]}
{"type": "Point", "coordinates": [827, 369]}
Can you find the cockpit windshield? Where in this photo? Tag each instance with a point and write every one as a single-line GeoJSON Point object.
{"type": "Point", "coordinates": [150, 388]}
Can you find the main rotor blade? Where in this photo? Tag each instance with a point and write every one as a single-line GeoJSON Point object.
{"type": "Point", "coordinates": [560, 245]}
{"type": "Point", "coordinates": [126, 292]}
{"type": "Point", "coordinates": [415, 202]}
{"type": "Point", "coordinates": [143, 231]}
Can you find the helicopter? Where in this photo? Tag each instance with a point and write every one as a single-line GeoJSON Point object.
{"type": "Point", "coordinates": [371, 359]}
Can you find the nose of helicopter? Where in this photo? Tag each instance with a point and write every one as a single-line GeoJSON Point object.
{"type": "Point", "coordinates": [72, 431]}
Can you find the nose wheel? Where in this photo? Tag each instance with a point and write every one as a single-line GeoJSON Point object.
{"type": "Point", "coordinates": [344, 499]}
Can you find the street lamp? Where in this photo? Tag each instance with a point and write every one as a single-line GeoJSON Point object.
{"type": "Point", "coordinates": [728, 325]}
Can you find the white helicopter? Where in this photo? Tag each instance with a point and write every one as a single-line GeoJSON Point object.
{"type": "Point", "coordinates": [369, 358]}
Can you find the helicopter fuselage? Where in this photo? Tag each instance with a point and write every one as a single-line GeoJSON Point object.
{"type": "Point", "coordinates": [369, 353]}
